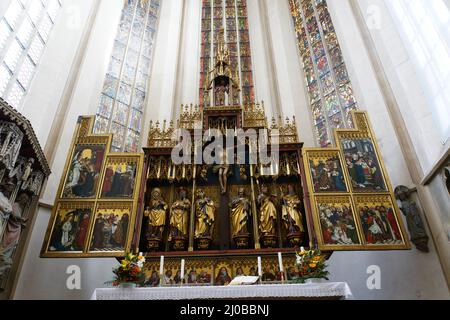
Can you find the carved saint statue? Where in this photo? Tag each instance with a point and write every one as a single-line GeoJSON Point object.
{"type": "Point", "coordinates": [415, 224]}
{"type": "Point", "coordinates": [291, 211]}
{"type": "Point", "coordinates": [267, 212]}
{"type": "Point", "coordinates": [157, 214]}
{"type": "Point", "coordinates": [179, 216]}
{"type": "Point", "coordinates": [204, 215]}
{"type": "Point", "coordinates": [239, 213]}
{"type": "Point", "coordinates": [6, 208]}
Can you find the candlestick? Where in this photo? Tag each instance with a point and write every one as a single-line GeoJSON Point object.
{"type": "Point", "coordinates": [280, 261]}
{"type": "Point", "coordinates": [161, 269]}
{"type": "Point", "coordinates": [302, 249]}
{"type": "Point", "coordinates": [182, 271]}
{"type": "Point", "coordinates": [259, 267]}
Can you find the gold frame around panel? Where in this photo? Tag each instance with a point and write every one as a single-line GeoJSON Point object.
{"type": "Point", "coordinates": [83, 136]}
{"type": "Point", "coordinates": [107, 205]}
{"type": "Point", "coordinates": [62, 206]}
{"type": "Point", "coordinates": [312, 153]}
{"type": "Point", "coordinates": [337, 200]}
{"type": "Point", "coordinates": [380, 198]}
{"type": "Point", "coordinates": [137, 159]}
{"type": "Point", "coordinates": [363, 131]}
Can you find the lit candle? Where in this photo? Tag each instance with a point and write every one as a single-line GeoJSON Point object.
{"type": "Point", "coordinates": [182, 271]}
{"type": "Point", "coordinates": [141, 254]}
{"type": "Point", "coordinates": [302, 249]}
{"type": "Point", "coordinates": [280, 261]}
{"type": "Point", "coordinates": [259, 267]}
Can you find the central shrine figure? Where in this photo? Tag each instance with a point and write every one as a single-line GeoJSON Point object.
{"type": "Point", "coordinates": [291, 211]}
{"type": "Point", "coordinates": [205, 216]}
{"type": "Point", "coordinates": [157, 214]}
{"type": "Point", "coordinates": [267, 212]}
{"type": "Point", "coordinates": [239, 214]}
{"type": "Point", "coordinates": [179, 216]}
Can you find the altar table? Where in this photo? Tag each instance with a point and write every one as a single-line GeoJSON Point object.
{"type": "Point", "coordinates": [329, 290]}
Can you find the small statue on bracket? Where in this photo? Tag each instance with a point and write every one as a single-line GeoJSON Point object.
{"type": "Point", "coordinates": [267, 218]}
{"type": "Point", "coordinates": [205, 218]}
{"type": "Point", "coordinates": [179, 218]}
{"type": "Point", "coordinates": [239, 215]}
{"type": "Point", "coordinates": [413, 219]}
{"type": "Point", "coordinates": [292, 216]}
{"type": "Point", "coordinates": [156, 220]}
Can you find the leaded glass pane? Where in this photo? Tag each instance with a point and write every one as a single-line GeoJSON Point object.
{"type": "Point", "coordinates": [13, 12]}
{"type": "Point", "coordinates": [5, 32]}
{"type": "Point", "coordinates": [36, 49]}
{"type": "Point", "coordinates": [15, 95]}
{"type": "Point", "coordinates": [5, 76]}
{"type": "Point", "coordinates": [35, 11]}
{"type": "Point", "coordinates": [26, 72]}
{"type": "Point", "coordinates": [13, 54]}
{"type": "Point", "coordinates": [44, 27]}
{"type": "Point", "coordinates": [25, 32]}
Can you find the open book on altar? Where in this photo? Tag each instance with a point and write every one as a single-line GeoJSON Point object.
{"type": "Point", "coordinates": [244, 280]}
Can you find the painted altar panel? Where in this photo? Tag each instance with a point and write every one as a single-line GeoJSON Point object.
{"type": "Point", "coordinates": [364, 215]}
{"type": "Point", "coordinates": [97, 199]}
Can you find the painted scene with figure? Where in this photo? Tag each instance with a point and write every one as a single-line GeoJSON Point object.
{"type": "Point", "coordinates": [120, 175]}
{"type": "Point", "coordinates": [363, 165]}
{"type": "Point", "coordinates": [84, 171]}
{"type": "Point", "coordinates": [110, 228]}
{"type": "Point", "coordinates": [71, 228]}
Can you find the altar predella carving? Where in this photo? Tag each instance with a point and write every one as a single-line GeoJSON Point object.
{"type": "Point", "coordinates": [23, 170]}
{"type": "Point", "coordinates": [334, 198]}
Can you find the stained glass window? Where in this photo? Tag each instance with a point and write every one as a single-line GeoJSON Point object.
{"type": "Point", "coordinates": [120, 110]}
{"type": "Point", "coordinates": [231, 16]}
{"type": "Point", "coordinates": [328, 85]}
{"type": "Point", "coordinates": [24, 31]}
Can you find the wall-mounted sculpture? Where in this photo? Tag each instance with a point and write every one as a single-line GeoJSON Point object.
{"type": "Point", "coordinates": [23, 170]}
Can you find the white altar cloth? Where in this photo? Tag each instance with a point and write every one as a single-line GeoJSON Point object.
{"type": "Point", "coordinates": [310, 290]}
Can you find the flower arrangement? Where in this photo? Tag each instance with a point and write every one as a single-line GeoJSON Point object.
{"type": "Point", "coordinates": [311, 264]}
{"type": "Point", "coordinates": [130, 270]}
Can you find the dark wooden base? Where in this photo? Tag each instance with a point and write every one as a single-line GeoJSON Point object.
{"type": "Point", "coordinates": [204, 243]}
{"type": "Point", "coordinates": [269, 241]}
{"type": "Point", "coordinates": [242, 241]}
{"type": "Point", "coordinates": [178, 243]}
{"type": "Point", "coordinates": [295, 240]}
{"type": "Point", "coordinates": [153, 244]}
